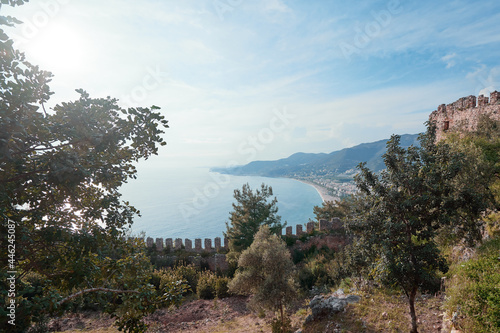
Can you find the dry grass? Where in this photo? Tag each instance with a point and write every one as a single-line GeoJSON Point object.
{"type": "Point", "coordinates": [226, 315]}
{"type": "Point", "coordinates": [97, 330]}
{"type": "Point", "coordinates": [382, 311]}
{"type": "Point", "coordinates": [378, 311]}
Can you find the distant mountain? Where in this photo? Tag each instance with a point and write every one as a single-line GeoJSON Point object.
{"type": "Point", "coordinates": [335, 163]}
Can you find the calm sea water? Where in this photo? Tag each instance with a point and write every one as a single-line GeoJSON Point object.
{"type": "Point", "coordinates": [195, 203]}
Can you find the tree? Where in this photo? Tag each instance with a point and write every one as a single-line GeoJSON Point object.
{"type": "Point", "coordinates": [266, 270]}
{"type": "Point", "coordinates": [482, 148]}
{"type": "Point", "coordinates": [331, 209]}
{"type": "Point", "coordinates": [422, 192]}
{"type": "Point", "coordinates": [63, 224]}
{"type": "Point", "coordinates": [251, 210]}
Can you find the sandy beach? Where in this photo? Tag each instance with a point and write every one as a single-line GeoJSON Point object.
{"type": "Point", "coordinates": [323, 191]}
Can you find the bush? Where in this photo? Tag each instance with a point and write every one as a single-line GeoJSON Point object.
{"type": "Point", "coordinates": [306, 278]}
{"type": "Point", "coordinates": [35, 282]}
{"type": "Point", "coordinates": [290, 240]}
{"type": "Point", "coordinates": [206, 285]}
{"type": "Point", "coordinates": [315, 273]}
{"type": "Point", "coordinates": [221, 288]}
{"type": "Point", "coordinates": [474, 296]}
{"type": "Point", "coordinates": [493, 224]}
{"type": "Point", "coordinates": [155, 278]}
{"type": "Point", "coordinates": [187, 273]}
{"type": "Point", "coordinates": [211, 286]}
{"type": "Point", "coordinates": [297, 256]}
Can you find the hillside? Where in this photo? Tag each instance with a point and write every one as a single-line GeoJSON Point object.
{"type": "Point", "coordinates": [322, 164]}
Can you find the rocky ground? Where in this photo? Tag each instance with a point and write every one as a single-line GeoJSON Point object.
{"type": "Point", "coordinates": [374, 313]}
{"type": "Point", "coordinates": [225, 315]}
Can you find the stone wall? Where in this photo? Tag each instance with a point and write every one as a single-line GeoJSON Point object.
{"type": "Point", "coordinates": [187, 244]}
{"type": "Point", "coordinates": [464, 114]}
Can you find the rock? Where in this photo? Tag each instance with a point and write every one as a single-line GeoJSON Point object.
{"type": "Point", "coordinates": [325, 306]}
{"type": "Point", "coordinates": [339, 292]}
{"type": "Point", "coordinates": [351, 299]}
{"type": "Point", "coordinates": [322, 305]}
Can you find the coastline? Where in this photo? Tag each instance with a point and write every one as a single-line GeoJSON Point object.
{"type": "Point", "coordinates": [322, 191]}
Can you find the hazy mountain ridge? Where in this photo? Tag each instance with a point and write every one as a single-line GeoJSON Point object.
{"type": "Point", "coordinates": [334, 163]}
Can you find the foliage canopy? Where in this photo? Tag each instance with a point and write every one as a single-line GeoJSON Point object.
{"type": "Point", "coordinates": [61, 171]}
{"type": "Point", "coordinates": [422, 192]}
{"type": "Point", "coordinates": [251, 210]}
{"type": "Point", "coordinates": [266, 270]}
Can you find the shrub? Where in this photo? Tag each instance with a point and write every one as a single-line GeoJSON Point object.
{"type": "Point", "coordinates": [493, 224]}
{"type": "Point", "coordinates": [206, 285]}
{"type": "Point", "coordinates": [36, 283]}
{"type": "Point", "coordinates": [290, 240]}
{"type": "Point", "coordinates": [266, 270]}
{"type": "Point", "coordinates": [155, 278]}
{"type": "Point", "coordinates": [297, 256]}
{"type": "Point", "coordinates": [221, 288]}
{"type": "Point", "coordinates": [211, 286]}
{"type": "Point", "coordinates": [189, 273]}
{"type": "Point", "coordinates": [306, 278]}
{"type": "Point", "coordinates": [473, 291]}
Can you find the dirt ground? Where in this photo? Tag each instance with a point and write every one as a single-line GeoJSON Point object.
{"type": "Point", "coordinates": [373, 314]}
{"type": "Point", "coordinates": [224, 315]}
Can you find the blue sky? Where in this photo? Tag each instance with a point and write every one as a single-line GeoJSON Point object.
{"type": "Point", "coordinates": [243, 80]}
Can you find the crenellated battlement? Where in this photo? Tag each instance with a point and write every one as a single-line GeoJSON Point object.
{"type": "Point", "coordinates": [187, 244]}
{"type": "Point", "coordinates": [465, 113]}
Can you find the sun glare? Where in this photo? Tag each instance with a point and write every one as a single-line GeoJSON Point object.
{"type": "Point", "coordinates": [57, 48]}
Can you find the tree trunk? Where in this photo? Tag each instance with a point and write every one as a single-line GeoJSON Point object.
{"type": "Point", "coordinates": [411, 301]}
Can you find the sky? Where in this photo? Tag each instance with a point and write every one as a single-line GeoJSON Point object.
{"type": "Point", "coordinates": [244, 80]}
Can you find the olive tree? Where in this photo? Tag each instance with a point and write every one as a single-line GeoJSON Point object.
{"type": "Point", "coordinates": [266, 271]}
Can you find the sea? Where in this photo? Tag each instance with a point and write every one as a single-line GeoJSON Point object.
{"type": "Point", "coordinates": [196, 203]}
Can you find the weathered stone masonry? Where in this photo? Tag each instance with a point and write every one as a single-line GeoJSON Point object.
{"type": "Point", "coordinates": [465, 113]}
{"type": "Point", "coordinates": [187, 244]}
{"type": "Point", "coordinates": [216, 261]}
{"type": "Point", "coordinates": [178, 244]}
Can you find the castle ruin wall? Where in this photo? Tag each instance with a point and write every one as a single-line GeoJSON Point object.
{"type": "Point", "coordinates": [187, 244]}
{"type": "Point", "coordinates": [465, 113]}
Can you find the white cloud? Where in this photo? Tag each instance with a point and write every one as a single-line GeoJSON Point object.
{"type": "Point", "coordinates": [223, 78]}
{"type": "Point", "coordinates": [449, 59]}
{"type": "Point", "coordinates": [276, 6]}
{"type": "Point", "coordinates": [395, 109]}
{"type": "Point", "coordinates": [485, 79]}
